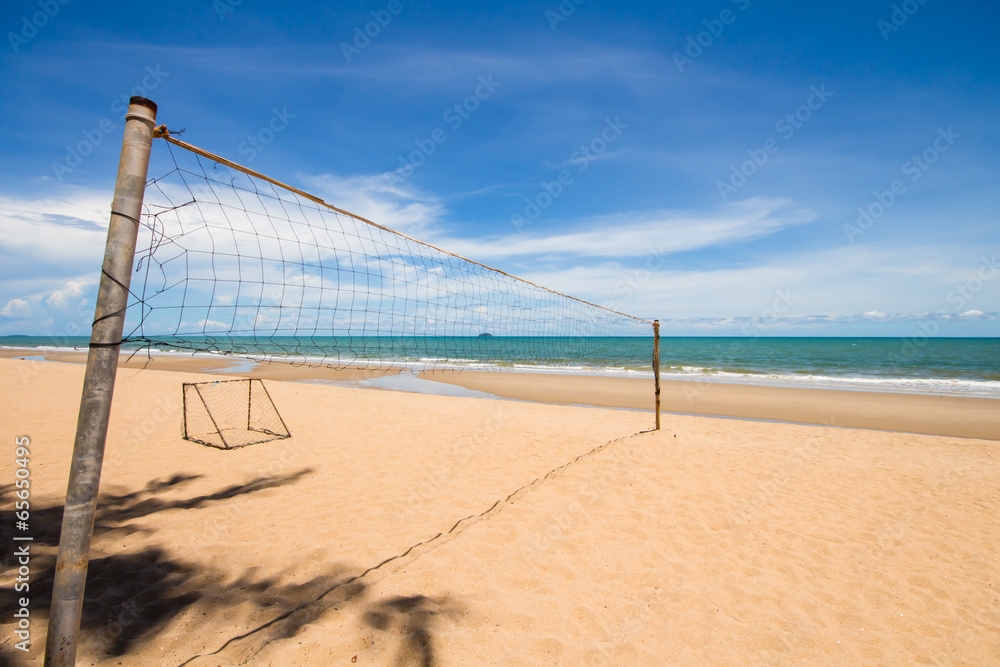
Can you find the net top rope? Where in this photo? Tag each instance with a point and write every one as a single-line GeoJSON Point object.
{"type": "Point", "coordinates": [161, 132]}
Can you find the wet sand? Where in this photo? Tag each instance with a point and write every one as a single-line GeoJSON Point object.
{"type": "Point", "coordinates": [960, 416]}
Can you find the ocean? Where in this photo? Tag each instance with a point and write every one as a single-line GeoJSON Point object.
{"type": "Point", "coordinates": [966, 366]}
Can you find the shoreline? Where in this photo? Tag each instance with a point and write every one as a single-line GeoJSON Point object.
{"type": "Point", "coordinates": [966, 417]}
{"type": "Point", "coordinates": [928, 414]}
{"type": "Point", "coordinates": [858, 382]}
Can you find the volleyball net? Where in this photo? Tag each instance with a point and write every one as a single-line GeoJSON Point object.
{"type": "Point", "coordinates": [230, 261]}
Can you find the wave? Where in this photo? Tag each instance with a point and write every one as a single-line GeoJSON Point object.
{"type": "Point", "coordinates": [924, 385]}
{"type": "Point", "coordinates": [873, 380]}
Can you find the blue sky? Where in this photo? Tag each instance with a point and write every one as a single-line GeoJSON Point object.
{"type": "Point", "coordinates": [699, 162]}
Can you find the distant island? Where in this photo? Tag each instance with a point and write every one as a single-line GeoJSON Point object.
{"type": "Point", "coordinates": [486, 335]}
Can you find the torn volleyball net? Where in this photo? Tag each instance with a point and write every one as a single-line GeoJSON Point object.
{"type": "Point", "coordinates": [232, 262]}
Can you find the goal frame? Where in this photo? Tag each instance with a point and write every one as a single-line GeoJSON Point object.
{"type": "Point", "coordinates": [195, 389]}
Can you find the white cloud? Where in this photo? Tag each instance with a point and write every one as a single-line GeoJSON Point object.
{"type": "Point", "coordinates": [859, 282]}
{"type": "Point", "coordinates": [626, 260]}
{"type": "Point", "coordinates": [67, 296]}
{"type": "Point", "coordinates": [372, 196]}
{"type": "Point", "coordinates": [213, 325]}
{"type": "Point", "coordinates": [640, 233]}
{"type": "Point", "coordinates": [814, 319]}
{"type": "Point", "coordinates": [16, 308]}
{"type": "Point", "coordinates": [57, 231]}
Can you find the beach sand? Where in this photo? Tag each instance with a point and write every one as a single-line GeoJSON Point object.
{"type": "Point", "coordinates": [399, 528]}
{"type": "Point", "coordinates": [959, 416]}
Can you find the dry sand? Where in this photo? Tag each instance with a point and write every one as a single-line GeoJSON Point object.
{"type": "Point", "coordinates": [397, 528]}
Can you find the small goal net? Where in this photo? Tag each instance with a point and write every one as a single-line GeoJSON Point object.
{"type": "Point", "coordinates": [231, 413]}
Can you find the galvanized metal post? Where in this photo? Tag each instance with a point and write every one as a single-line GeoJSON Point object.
{"type": "Point", "coordinates": [656, 368]}
{"type": "Point", "coordinates": [98, 386]}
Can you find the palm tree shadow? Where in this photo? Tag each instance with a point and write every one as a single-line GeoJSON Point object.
{"type": "Point", "coordinates": [130, 598]}
{"type": "Point", "coordinates": [415, 618]}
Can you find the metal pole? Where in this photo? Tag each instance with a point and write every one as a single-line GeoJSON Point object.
{"type": "Point", "coordinates": [98, 386]}
{"type": "Point", "coordinates": [656, 368]}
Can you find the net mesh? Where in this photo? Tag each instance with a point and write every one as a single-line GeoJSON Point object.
{"type": "Point", "coordinates": [229, 262]}
{"type": "Point", "coordinates": [231, 413]}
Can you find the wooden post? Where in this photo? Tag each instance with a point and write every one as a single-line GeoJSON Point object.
{"type": "Point", "coordinates": [656, 368]}
{"type": "Point", "coordinates": [98, 387]}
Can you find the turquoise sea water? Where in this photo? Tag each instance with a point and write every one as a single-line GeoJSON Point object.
{"type": "Point", "coordinates": [935, 365]}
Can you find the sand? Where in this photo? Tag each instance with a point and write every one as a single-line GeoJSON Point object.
{"type": "Point", "coordinates": [961, 416]}
{"type": "Point", "coordinates": [397, 528]}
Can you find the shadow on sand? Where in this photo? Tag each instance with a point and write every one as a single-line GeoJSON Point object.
{"type": "Point", "coordinates": [131, 598]}
{"type": "Point", "coordinates": [413, 618]}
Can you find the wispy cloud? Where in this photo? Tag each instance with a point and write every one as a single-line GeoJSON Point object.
{"type": "Point", "coordinates": [639, 233]}
{"type": "Point", "coordinates": [399, 206]}
{"type": "Point", "coordinates": [631, 261]}
{"type": "Point", "coordinates": [885, 282]}
{"type": "Point", "coordinates": [56, 232]}
{"type": "Point", "coordinates": [820, 319]}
